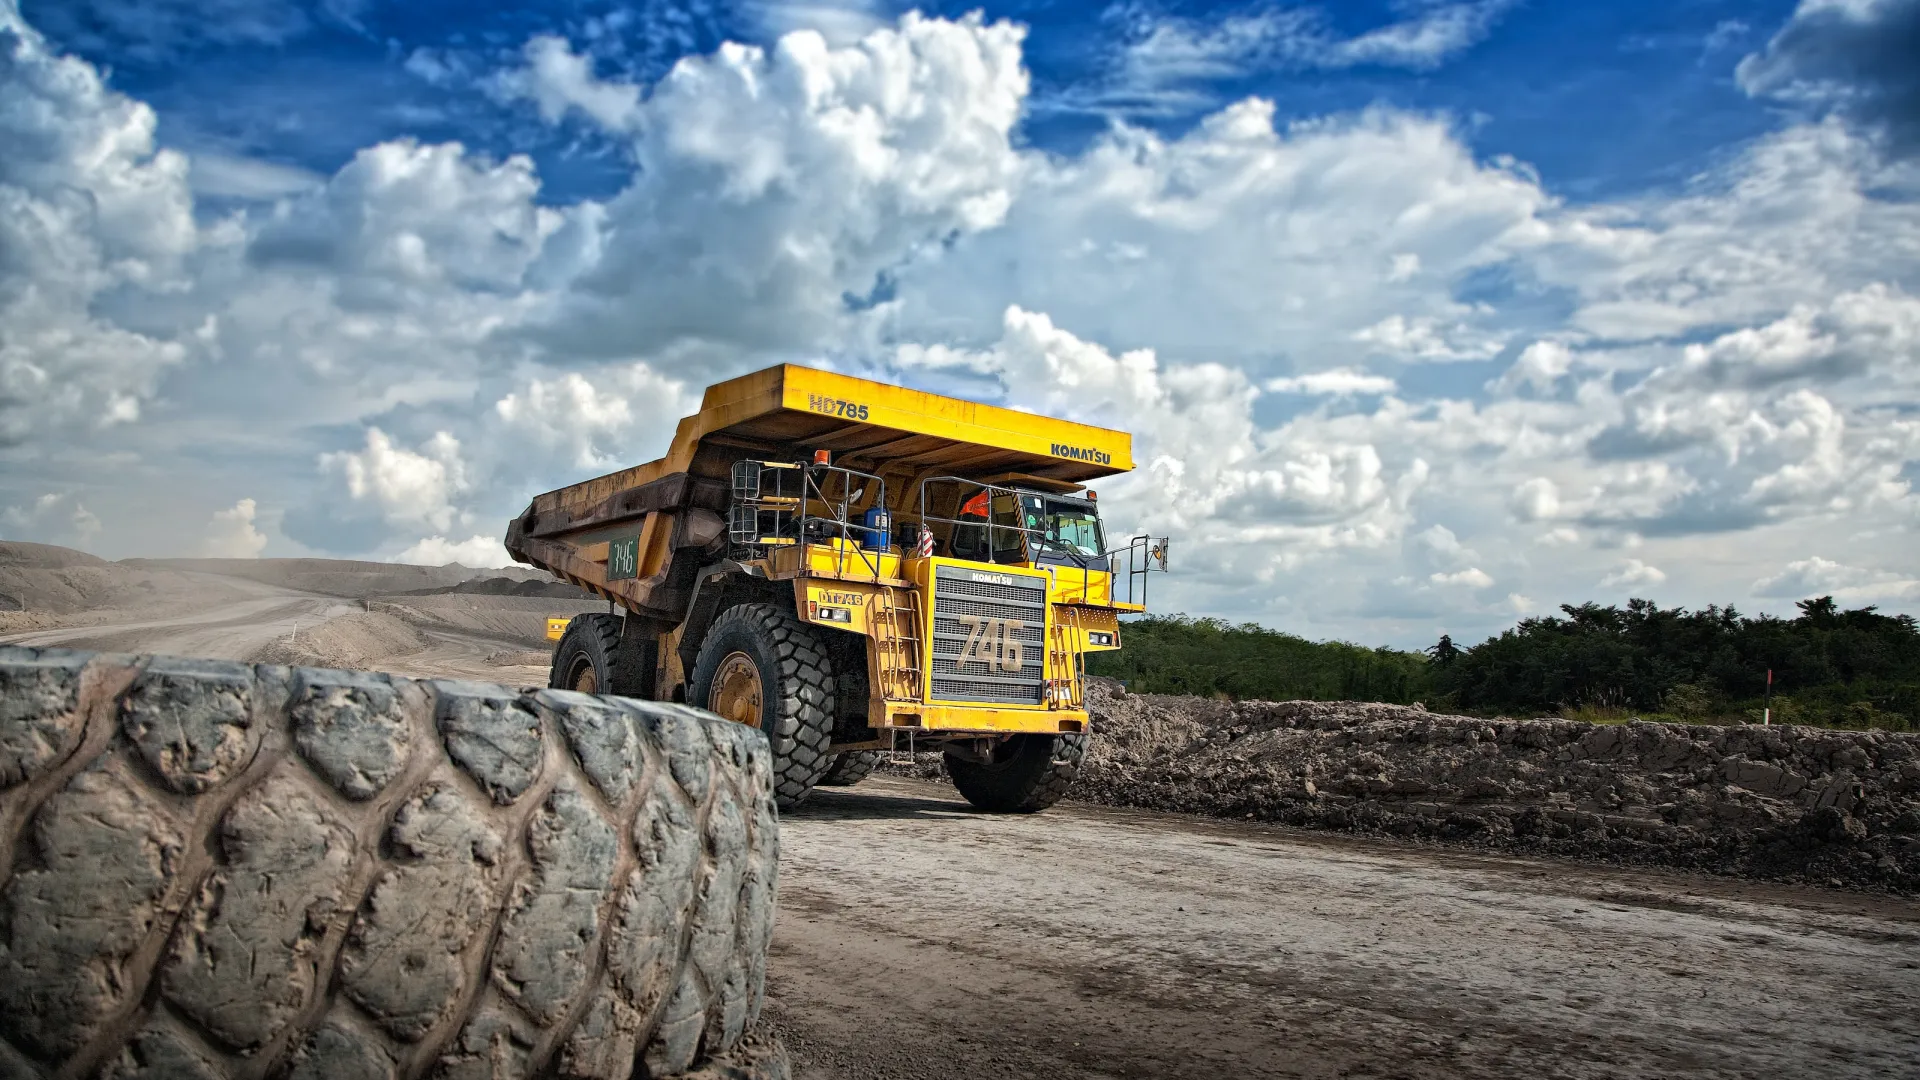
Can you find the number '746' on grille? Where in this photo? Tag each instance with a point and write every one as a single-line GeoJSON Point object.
{"type": "Point", "coordinates": [993, 642]}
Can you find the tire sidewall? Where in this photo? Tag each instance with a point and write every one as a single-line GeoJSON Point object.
{"type": "Point", "coordinates": [796, 713]}
{"type": "Point", "coordinates": [582, 641]}
{"type": "Point", "coordinates": [730, 636]}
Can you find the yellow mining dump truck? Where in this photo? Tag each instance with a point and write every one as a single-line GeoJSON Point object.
{"type": "Point", "coordinates": [854, 568]}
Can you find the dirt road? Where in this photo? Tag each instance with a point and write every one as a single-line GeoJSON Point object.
{"type": "Point", "coordinates": [919, 940]}
{"type": "Point", "coordinates": [230, 630]}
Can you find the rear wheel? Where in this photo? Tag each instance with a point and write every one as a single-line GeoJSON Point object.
{"type": "Point", "coordinates": [1026, 773]}
{"type": "Point", "coordinates": [762, 667]}
{"type": "Point", "coordinates": [850, 768]}
{"type": "Point", "coordinates": [593, 659]}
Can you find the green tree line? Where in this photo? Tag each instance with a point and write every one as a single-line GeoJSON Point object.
{"type": "Point", "coordinates": [1833, 667]}
{"type": "Point", "coordinates": [1175, 654]}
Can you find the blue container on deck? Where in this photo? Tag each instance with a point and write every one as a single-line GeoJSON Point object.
{"type": "Point", "coordinates": [878, 529]}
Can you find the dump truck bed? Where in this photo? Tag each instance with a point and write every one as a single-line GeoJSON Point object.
{"type": "Point", "coordinates": [617, 535]}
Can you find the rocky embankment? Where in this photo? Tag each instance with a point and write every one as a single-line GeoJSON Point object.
{"type": "Point", "coordinates": [1832, 807]}
{"type": "Point", "coordinates": [1788, 803]}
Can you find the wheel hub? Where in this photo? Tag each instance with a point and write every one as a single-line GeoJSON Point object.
{"type": "Point", "coordinates": [736, 690]}
{"type": "Point", "coordinates": [584, 680]}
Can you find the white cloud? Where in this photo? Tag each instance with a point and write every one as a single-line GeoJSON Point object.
{"type": "Point", "coordinates": [1540, 368]}
{"type": "Point", "coordinates": [1472, 576]}
{"type": "Point", "coordinates": [52, 518]}
{"type": "Point", "coordinates": [1537, 499]}
{"type": "Point", "coordinates": [1164, 57]}
{"type": "Point", "coordinates": [88, 205]}
{"type": "Point", "coordinates": [599, 423]}
{"type": "Point", "coordinates": [1427, 338]}
{"type": "Point", "coordinates": [407, 486]}
{"type": "Point", "coordinates": [558, 80]}
{"type": "Point", "coordinates": [475, 551]}
{"type": "Point", "coordinates": [1424, 41]}
{"type": "Point", "coordinates": [1338, 382]}
{"type": "Point", "coordinates": [783, 181]}
{"type": "Point", "coordinates": [1632, 574]}
{"type": "Point", "coordinates": [231, 533]}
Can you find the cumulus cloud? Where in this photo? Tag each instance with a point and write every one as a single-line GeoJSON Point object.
{"type": "Point", "coordinates": [231, 533]}
{"type": "Point", "coordinates": [52, 518]}
{"type": "Point", "coordinates": [1254, 503]}
{"type": "Point", "coordinates": [407, 486]}
{"type": "Point", "coordinates": [1853, 56]}
{"type": "Point", "coordinates": [780, 188]}
{"type": "Point", "coordinates": [476, 551]}
{"type": "Point", "coordinates": [616, 417]}
{"type": "Point", "coordinates": [1633, 574]}
{"type": "Point", "coordinates": [558, 80]}
{"type": "Point", "coordinates": [1815, 576]}
{"type": "Point", "coordinates": [88, 205]}
{"type": "Point", "coordinates": [1293, 225]}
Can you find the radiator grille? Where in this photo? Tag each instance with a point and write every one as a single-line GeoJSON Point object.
{"type": "Point", "coordinates": [956, 598]}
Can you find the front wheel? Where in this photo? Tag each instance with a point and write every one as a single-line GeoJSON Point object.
{"type": "Point", "coordinates": [1026, 773]}
{"type": "Point", "coordinates": [761, 667]}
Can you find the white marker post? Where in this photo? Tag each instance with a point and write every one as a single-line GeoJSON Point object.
{"type": "Point", "coordinates": [1766, 714]}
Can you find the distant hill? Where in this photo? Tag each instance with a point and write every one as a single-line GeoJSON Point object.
{"type": "Point", "coordinates": [30, 556]}
{"type": "Point", "coordinates": [506, 586]}
{"type": "Point", "coordinates": [341, 577]}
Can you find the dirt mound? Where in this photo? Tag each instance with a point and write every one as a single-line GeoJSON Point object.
{"type": "Point", "coordinates": [338, 577]}
{"type": "Point", "coordinates": [503, 586]}
{"type": "Point", "coordinates": [1836, 807]}
{"type": "Point", "coordinates": [516, 620]}
{"type": "Point", "coordinates": [359, 641]}
{"type": "Point", "coordinates": [30, 556]}
{"type": "Point", "coordinates": [38, 580]}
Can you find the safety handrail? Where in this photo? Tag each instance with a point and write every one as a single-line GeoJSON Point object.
{"type": "Point", "coordinates": [796, 508]}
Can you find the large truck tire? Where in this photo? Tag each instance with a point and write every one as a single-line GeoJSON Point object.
{"type": "Point", "coordinates": [224, 871]}
{"type": "Point", "coordinates": [1027, 773]}
{"type": "Point", "coordinates": [851, 767]}
{"type": "Point", "coordinates": [592, 659]}
{"type": "Point", "coordinates": [761, 667]}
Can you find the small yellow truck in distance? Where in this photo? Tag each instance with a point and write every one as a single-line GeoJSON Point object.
{"type": "Point", "coordinates": [855, 567]}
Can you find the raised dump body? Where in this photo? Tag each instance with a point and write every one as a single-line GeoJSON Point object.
{"type": "Point", "coordinates": [840, 561]}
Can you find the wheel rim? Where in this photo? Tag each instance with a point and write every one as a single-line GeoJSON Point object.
{"type": "Point", "coordinates": [584, 680]}
{"type": "Point", "coordinates": [736, 691]}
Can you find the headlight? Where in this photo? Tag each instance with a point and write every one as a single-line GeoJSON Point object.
{"type": "Point", "coordinates": [1097, 638]}
{"type": "Point", "coordinates": [834, 614]}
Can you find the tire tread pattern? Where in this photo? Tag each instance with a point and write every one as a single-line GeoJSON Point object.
{"type": "Point", "coordinates": [246, 872]}
{"type": "Point", "coordinates": [803, 728]}
{"type": "Point", "coordinates": [850, 767]}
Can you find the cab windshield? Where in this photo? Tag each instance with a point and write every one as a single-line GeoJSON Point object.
{"type": "Point", "coordinates": [1029, 528]}
{"type": "Point", "coordinates": [1075, 527]}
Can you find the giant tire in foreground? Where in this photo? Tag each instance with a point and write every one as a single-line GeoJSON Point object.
{"type": "Point", "coordinates": [222, 870]}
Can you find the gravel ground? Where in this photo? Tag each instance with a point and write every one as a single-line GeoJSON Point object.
{"type": "Point", "coordinates": [918, 940]}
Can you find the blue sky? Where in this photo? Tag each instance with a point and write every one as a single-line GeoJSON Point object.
{"type": "Point", "coordinates": [1426, 314]}
{"type": "Point", "coordinates": [1600, 98]}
